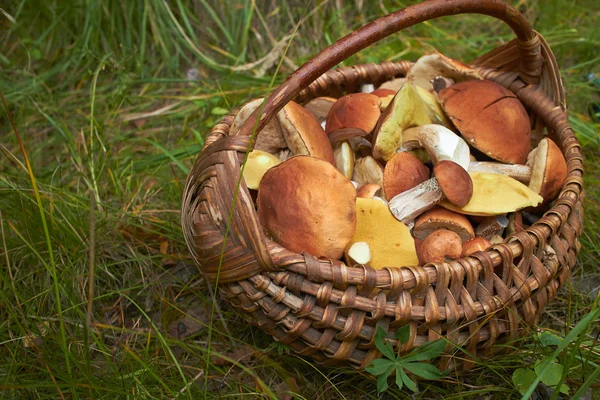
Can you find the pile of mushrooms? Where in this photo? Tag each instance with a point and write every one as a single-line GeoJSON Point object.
{"type": "Point", "coordinates": [427, 168]}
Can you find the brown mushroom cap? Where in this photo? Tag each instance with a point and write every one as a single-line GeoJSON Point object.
{"type": "Point", "coordinates": [454, 181]}
{"type": "Point", "coordinates": [548, 170]}
{"type": "Point", "coordinates": [303, 133]}
{"type": "Point", "coordinates": [306, 204]}
{"type": "Point", "coordinates": [402, 172]}
{"type": "Point", "coordinates": [320, 107]}
{"type": "Point", "coordinates": [357, 111]}
{"type": "Point", "coordinates": [474, 245]}
{"type": "Point", "coordinates": [441, 218]}
{"type": "Point", "coordinates": [383, 92]}
{"type": "Point", "coordinates": [368, 190]}
{"type": "Point", "coordinates": [441, 244]}
{"type": "Point", "coordinates": [490, 117]}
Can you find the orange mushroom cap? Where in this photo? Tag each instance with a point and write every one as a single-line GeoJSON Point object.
{"type": "Point", "coordinates": [490, 117]}
{"type": "Point", "coordinates": [354, 111]}
{"type": "Point", "coordinates": [441, 244]}
{"type": "Point", "coordinates": [306, 205]}
{"type": "Point", "coordinates": [402, 172]}
{"type": "Point", "coordinates": [441, 218]}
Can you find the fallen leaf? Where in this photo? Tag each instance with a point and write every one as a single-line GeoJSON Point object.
{"type": "Point", "coordinates": [240, 354]}
{"type": "Point", "coordinates": [34, 340]}
{"type": "Point", "coordinates": [194, 320]}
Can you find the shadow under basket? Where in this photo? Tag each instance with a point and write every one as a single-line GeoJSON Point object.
{"type": "Point", "coordinates": [330, 311]}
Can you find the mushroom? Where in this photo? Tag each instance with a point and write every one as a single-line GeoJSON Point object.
{"type": "Point", "coordinates": [320, 107]}
{"type": "Point", "coordinates": [405, 111]}
{"type": "Point", "coordinates": [386, 96]}
{"type": "Point", "coordinates": [522, 173]}
{"type": "Point", "coordinates": [440, 142]}
{"type": "Point", "coordinates": [303, 133]}
{"type": "Point", "coordinates": [366, 88]}
{"type": "Point", "coordinates": [430, 66]}
{"type": "Point", "coordinates": [548, 170]}
{"type": "Point", "coordinates": [388, 239]}
{"type": "Point", "coordinates": [383, 92]}
{"type": "Point", "coordinates": [423, 73]}
{"type": "Point", "coordinates": [402, 172]}
{"type": "Point", "coordinates": [545, 171]}
{"type": "Point", "coordinates": [394, 84]}
{"type": "Point", "coordinates": [359, 253]}
{"type": "Point", "coordinates": [496, 239]}
{"type": "Point", "coordinates": [490, 117]}
{"type": "Point", "coordinates": [441, 244]}
{"type": "Point", "coordinates": [359, 111]}
{"type": "Point", "coordinates": [256, 166]}
{"type": "Point", "coordinates": [515, 223]}
{"type": "Point", "coordinates": [284, 154]}
{"type": "Point", "coordinates": [492, 226]}
{"type": "Point", "coordinates": [433, 107]}
{"type": "Point", "coordinates": [368, 191]}
{"type": "Point", "coordinates": [344, 158]}
{"type": "Point", "coordinates": [271, 137]}
{"type": "Point", "coordinates": [367, 170]}
{"type": "Point", "coordinates": [451, 183]}
{"type": "Point", "coordinates": [474, 245]}
{"type": "Point", "coordinates": [441, 218]}
{"type": "Point", "coordinates": [306, 205]}
{"type": "Point", "coordinates": [418, 248]}
{"type": "Point", "coordinates": [495, 194]}
{"type": "Point", "coordinates": [360, 146]}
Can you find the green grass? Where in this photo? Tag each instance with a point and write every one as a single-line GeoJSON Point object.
{"type": "Point", "coordinates": [100, 95]}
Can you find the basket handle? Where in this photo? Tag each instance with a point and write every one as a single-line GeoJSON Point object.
{"type": "Point", "coordinates": [529, 46]}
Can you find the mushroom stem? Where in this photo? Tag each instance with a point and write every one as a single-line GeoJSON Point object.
{"type": "Point", "coordinates": [367, 88]}
{"type": "Point", "coordinates": [440, 142]}
{"type": "Point", "coordinates": [407, 205]}
{"type": "Point", "coordinates": [492, 226]}
{"type": "Point", "coordinates": [450, 182]}
{"type": "Point", "coordinates": [522, 173]}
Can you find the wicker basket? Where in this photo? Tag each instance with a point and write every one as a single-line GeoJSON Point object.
{"type": "Point", "coordinates": [330, 311]}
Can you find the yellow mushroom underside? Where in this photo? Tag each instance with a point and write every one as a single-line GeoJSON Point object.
{"type": "Point", "coordinates": [389, 240]}
{"type": "Point", "coordinates": [257, 165]}
{"type": "Point", "coordinates": [496, 194]}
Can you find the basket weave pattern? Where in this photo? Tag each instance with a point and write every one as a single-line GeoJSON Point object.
{"type": "Point", "coordinates": [328, 310]}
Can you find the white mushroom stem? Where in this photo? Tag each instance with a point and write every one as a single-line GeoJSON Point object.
{"type": "Point", "coordinates": [367, 88]}
{"type": "Point", "coordinates": [440, 142]}
{"type": "Point", "coordinates": [522, 173]}
{"type": "Point", "coordinates": [407, 205]}
{"type": "Point", "coordinates": [360, 253]}
{"type": "Point", "coordinates": [492, 226]}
